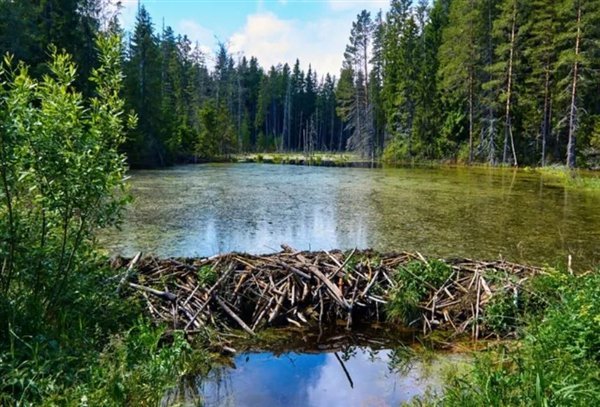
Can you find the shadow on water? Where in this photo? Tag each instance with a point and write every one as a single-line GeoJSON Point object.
{"type": "Point", "coordinates": [309, 368]}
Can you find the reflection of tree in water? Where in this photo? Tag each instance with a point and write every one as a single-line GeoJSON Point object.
{"type": "Point", "coordinates": [216, 389]}
{"type": "Point", "coordinates": [401, 360]}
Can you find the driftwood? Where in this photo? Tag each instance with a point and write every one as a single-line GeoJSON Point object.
{"type": "Point", "coordinates": [312, 288]}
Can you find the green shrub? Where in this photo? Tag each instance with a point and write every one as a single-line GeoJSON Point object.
{"type": "Point", "coordinates": [413, 282]}
{"type": "Point", "coordinates": [395, 152]}
{"type": "Point", "coordinates": [502, 312]}
{"type": "Point", "coordinates": [136, 368]}
{"type": "Point", "coordinates": [207, 276]}
{"type": "Point", "coordinates": [62, 177]}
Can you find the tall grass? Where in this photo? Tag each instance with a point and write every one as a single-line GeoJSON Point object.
{"type": "Point", "coordinates": [557, 363]}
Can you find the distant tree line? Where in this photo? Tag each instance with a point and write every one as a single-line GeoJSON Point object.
{"type": "Point", "coordinates": [187, 110]}
{"type": "Point", "coordinates": [512, 82]}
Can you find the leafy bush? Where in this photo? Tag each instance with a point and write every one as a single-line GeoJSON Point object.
{"type": "Point", "coordinates": [62, 176]}
{"type": "Point", "coordinates": [413, 282]}
{"type": "Point", "coordinates": [207, 276]}
{"type": "Point", "coordinates": [502, 312]}
{"type": "Point", "coordinates": [136, 368]}
{"type": "Point", "coordinates": [396, 151]}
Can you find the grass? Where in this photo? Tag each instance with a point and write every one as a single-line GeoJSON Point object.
{"type": "Point", "coordinates": [580, 179]}
{"type": "Point", "coordinates": [317, 158]}
{"type": "Point", "coordinates": [556, 363]}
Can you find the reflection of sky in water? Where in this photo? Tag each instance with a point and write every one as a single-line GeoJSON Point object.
{"type": "Point", "coordinates": [315, 380]}
{"type": "Point", "coordinates": [201, 210]}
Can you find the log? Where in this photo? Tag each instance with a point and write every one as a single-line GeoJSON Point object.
{"type": "Point", "coordinates": [234, 316]}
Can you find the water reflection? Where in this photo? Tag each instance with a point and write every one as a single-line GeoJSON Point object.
{"type": "Point", "coordinates": [358, 377]}
{"type": "Point", "coordinates": [207, 209]}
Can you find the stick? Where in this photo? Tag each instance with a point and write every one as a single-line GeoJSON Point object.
{"type": "Point", "coordinates": [128, 272]}
{"type": "Point", "coordinates": [210, 291]}
{"type": "Point", "coordinates": [162, 294]}
{"type": "Point", "coordinates": [234, 316]}
{"type": "Point", "coordinates": [332, 287]}
{"type": "Point", "coordinates": [345, 370]}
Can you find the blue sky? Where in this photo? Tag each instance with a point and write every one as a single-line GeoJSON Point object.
{"type": "Point", "coordinates": [315, 31]}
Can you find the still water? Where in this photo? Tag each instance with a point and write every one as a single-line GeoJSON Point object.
{"type": "Point", "coordinates": [201, 210]}
{"type": "Point", "coordinates": [360, 368]}
{"type": "Point", "coordinates": [316, 380]}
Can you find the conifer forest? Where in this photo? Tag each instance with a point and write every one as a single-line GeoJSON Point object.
{"type": "Point", "coordinates": [512, 82]}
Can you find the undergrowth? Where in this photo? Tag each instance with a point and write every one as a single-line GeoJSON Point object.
{"type": "Point", "coordinates": [557, 362]}
{"type": "Point", "coordinates": [413, 283]}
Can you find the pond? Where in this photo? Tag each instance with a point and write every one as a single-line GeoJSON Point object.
{"type": "Point", "coordinates": [201, 210]}
{"type": "Point", "coordinates": [344, 370]}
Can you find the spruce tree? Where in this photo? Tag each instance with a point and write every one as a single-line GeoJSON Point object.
{"type": "Point", "coordinates": [460, 64]}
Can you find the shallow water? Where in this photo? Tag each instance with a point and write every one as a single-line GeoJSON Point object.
{"type": "Point", "coordinates": [293, 379]}
{"type": "Point", "coordinates": [366, 367]}
{"type": "Point", "coordinates": [201, 210]}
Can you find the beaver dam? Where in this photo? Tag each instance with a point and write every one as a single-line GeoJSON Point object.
{"type": "Point", "coordinates": [307, 289]}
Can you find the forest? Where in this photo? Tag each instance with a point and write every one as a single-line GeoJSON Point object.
{"type": "Point", "coordinates": [507, 82]}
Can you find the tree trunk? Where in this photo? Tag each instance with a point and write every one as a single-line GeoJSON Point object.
{"type": "Point", "coordinates": [508, 119]}
{"type": "Point", "coordinates": [573, 109]}
{"type": "Point", "coordinates": [471, 114]}
{"type": "Point", "coordinates": [546, 118]}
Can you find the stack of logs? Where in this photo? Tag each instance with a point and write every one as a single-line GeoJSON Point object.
{"type": "Point", "coordinates": [310, 288]}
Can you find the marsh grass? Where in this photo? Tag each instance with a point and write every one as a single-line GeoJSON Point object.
{"type": "Point", "coordinates": [579, 179]}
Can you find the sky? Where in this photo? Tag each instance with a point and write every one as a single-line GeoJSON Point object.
{"type": "Point", "coordinates": [275, 31]}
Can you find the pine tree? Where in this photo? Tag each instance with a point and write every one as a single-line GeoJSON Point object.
{"type": "Point", "coordinates": [579, 38]}
{"type": "Point", "coordinates": [508, 33]}
{"type": "Point", "coordinates": [143, 91]}
{"type": "Point", "coordinates": [541, 53]}
{"type": "Point", "coordinates": [460, 65]}
{"type": "Point", "coordinates": [359, 119]}
{"type": "Point", "coordinates": [376, 82]}
{"type": "Point", "coordinates": [401, 72]}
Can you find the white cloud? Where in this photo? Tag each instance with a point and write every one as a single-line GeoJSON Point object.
{"type": "Point", "coordinates": [274, 40]}
{"type": "Point", "coordinates": [196, 32]}
{"type": "Point", "coordinates": [356, 5]}
{"type": "Point", "coordinates": [127, 13]}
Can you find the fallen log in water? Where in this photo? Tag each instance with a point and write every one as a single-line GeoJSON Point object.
{"type": "Point", "coordinates": [312, 288]}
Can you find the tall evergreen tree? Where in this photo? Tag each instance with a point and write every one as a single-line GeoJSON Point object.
{"type": "Point", "coordinates": [460, 64]}
{"type": "Point", "coordinates": [508, 34]}
{"type": "Point", "coordinates": [143, 90]}
{"type": "Point", "coordinates": [541, 53]}
{"type": "Point", "coordinates": [579, 44]}
{"type": "Point", "coordinates": [359, 118]}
